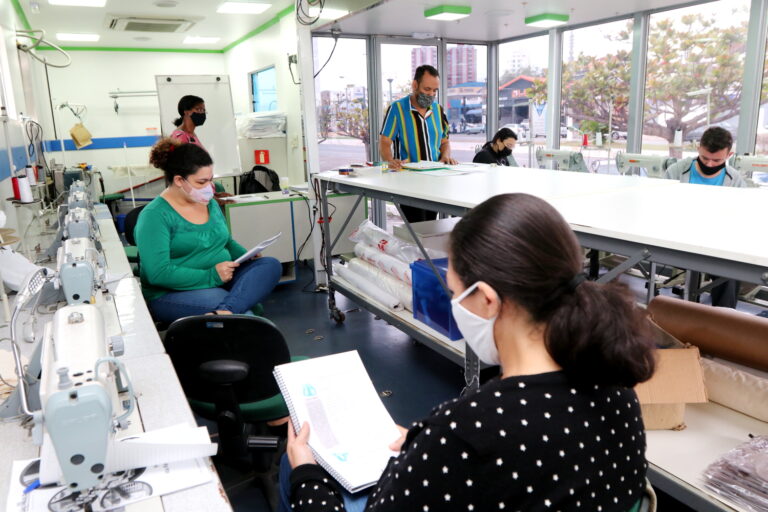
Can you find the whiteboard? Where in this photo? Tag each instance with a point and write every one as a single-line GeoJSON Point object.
{"type": "Point", "coordinates": [218, 134]}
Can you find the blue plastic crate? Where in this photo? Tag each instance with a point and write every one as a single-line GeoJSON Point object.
{"type": "Point", "coordinates": [431, 304]}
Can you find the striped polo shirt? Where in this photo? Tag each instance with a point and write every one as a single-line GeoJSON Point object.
{"type": "Point", "coordinates": [415, 137]}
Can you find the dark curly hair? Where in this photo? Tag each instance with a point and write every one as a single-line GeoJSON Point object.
{"type": "Point", "coordinates": [176, 159]}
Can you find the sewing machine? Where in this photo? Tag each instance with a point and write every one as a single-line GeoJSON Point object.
{"type": "Point", "coordinates": [754, 168]}
{"type": "Point", "coordinates": [654, 165]}
{"type": "Point", "coordinates": [80, 407]}
{"type": "Point", "coordinates": [79, 223]}
{"type": "Point", "coordinates": [565, 160]}
{"type": "Point", "coordinates": [81, 270]}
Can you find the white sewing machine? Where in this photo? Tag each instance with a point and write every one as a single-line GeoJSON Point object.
{"type": "Point", "coordinates": [654, 165]}
{"type": "Point", "coordinates": [565, 160]}
{"type": "Point", "coordinates": [80, 408]}
{"type": "Point", "coordinates": [754, 168]}
{"type": "Point", "coordinates": [81, 270]}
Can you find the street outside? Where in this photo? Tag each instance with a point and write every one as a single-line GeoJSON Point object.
{"type": "Point", "coordinates": [341, 152]}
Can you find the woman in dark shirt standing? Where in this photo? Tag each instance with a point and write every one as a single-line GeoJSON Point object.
{"type": "Point", "coordinates": [499, 150]}
{"type": "Point", "coordinates": [561, 429]}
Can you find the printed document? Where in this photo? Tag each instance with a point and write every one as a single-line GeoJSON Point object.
{"type": "Point", "coordinates": [258, 248]}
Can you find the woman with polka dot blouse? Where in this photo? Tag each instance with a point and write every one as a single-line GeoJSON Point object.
{"type": "Point", "coordinates": [561, 428]}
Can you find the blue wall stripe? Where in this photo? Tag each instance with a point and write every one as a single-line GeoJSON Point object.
{"type": "Point", "coordinates": [19, 154]}
{"type": "Point", "coordinates": [141, 141]}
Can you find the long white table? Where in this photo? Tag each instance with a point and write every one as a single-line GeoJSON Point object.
{"type": "Point", "coordinates": [160, 399]}
{"type": "Point", "coordinates": [700, 228]}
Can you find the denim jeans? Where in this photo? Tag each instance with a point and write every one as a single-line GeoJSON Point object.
{"type": "Point", "coordinates": [252, 281]}
{"type": "Point", "coordinates": [352, 502]}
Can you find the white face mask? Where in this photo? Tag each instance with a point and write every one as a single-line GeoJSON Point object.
{"type": "Point", "coordinates": [199, 195]}
{"type": "Point", "coordinates": [477, 331]}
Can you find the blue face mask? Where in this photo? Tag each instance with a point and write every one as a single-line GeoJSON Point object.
{"type": "Point", "coordinates": [199, 195]}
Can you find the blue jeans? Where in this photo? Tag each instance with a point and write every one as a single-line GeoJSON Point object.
{"type": "Point", "coordinates": [352, 502]}
{"type": "Point", "coordinates": [252, 281]}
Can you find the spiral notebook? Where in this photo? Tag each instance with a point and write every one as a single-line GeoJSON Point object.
{"type": "Point", "coordinates": [350, 430]}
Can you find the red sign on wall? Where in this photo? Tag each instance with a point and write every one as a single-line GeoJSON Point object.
{"type": "Point", "coordinates": [261, 156]}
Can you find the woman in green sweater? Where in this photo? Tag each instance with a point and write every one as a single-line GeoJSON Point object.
{"type": "Point", "coordinates": [187, 253]}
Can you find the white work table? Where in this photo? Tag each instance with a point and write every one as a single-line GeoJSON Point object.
{"type": "Point", "coordinates": [662, 221]}
{"type": "Point", "coordinates": [160, 399]}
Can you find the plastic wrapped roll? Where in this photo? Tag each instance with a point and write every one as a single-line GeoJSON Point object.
{"type": "Point", "coordinates": [385, 262]}
{"type": "Point", "coordinates": [371, 235]}
{"type": "Point", "coordinates": [370, 288]}
{"type": "Point", "coordinates": [390, 284]}
{"type": "Point", "coordinates": [737, 389]}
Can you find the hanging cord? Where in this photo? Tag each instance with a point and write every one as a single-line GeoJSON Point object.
{"type": "Point", "coordinates": [303, 7]}
{"type": "Point", "coordinates": [29, 48]}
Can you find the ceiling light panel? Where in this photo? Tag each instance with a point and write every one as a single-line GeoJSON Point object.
{"type": "Point", "coordinates": [242, 8]}
{"type": "Point", "coordinates": [327, 14]}
{"type": "Point", "coordinates": [448, 12]}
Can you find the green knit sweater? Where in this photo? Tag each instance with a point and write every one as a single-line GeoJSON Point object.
{"type": "Point", "coordinates": [178, 255]}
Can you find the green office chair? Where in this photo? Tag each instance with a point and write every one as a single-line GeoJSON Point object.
{"type": "Point", "coordinates": [225, 364]}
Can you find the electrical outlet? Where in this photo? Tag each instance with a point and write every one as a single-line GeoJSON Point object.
{"type": "Point", "coordinates": [293, 59]}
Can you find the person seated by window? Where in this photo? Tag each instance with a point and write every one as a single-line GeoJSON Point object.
{"type": "Point", "coordinates": [711, 168]}
{"type": "Point", "coordinates": [561, 428]}
{"type": "Point", "coordinates": [499, 150]}
{"type": "Point", "coordinates": [187, 253]}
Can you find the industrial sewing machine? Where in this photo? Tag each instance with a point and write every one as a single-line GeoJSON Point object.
{"type": "Point", "coordinates": [754, 168]}
{"type": "Point", "coordinates": [81, 270]}
{"type": "Point", "coordinates": [654, 165]}
{"type": "Point", "coordinates": [565, 160]}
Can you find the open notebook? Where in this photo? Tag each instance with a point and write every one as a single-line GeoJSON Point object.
{"type": "Point", "coordinates": [350, 430]}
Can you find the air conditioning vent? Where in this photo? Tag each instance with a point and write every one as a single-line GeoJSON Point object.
{"type": "Point", "coordinates": [136, 24]}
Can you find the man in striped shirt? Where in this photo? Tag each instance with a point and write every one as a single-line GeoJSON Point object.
{"type": "Point", "coordinates": [415, 128]}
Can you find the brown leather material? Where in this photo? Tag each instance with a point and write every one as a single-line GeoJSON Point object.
{"type": "Point", "coordinates": [721, 332]}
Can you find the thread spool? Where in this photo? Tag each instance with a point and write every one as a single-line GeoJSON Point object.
{"type": "Point", "coordinates": [345, 171]}
{"type": "Point", "coordinates": [15, 184]}
{"type": "Point", "coordinates": [25, 190]}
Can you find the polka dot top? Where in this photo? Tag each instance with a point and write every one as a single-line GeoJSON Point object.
{"type": "Point", "coordinates": [529, 443]}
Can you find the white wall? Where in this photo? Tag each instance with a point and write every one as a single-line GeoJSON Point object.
{"type": "Point", "coordinates": [12, 97]}
{"type": "Point", "coordinates": [271, 48]}
{"type": "Point", "coordinates": [88, 80]}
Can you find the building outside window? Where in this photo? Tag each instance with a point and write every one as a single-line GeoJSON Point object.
{"type": "Point", "coordinates": [264, 90]}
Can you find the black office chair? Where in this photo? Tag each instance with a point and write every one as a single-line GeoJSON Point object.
{"type": "Point", "coordinates": [131, 251]}
{"type": "Point", "coordinates": [225, 364]}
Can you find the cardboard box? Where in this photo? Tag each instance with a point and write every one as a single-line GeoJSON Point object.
{"type": "Point", "coordinates": [678, 380]}
{"type": "Point", "coordinates": [434, 234]}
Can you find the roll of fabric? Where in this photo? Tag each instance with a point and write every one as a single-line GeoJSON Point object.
{"type": "Point", "coordinates": [368, 287]}
{"type": "Point", "coordinates": [371, 235]}
{"type": "Point", "coordinates": [736, 389]}
{"type": "Point", "coordinates": [390, 284]}
{"type": "Point", "coordinates": [385, 262]}
{"type": "Point", "coordinates": [721, 332]}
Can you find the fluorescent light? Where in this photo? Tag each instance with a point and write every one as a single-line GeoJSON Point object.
{"type": "Point", "coordinates": [547, 20]}
{"type": "Point", "coordinates": [448, 12]}
{"type": "Point", "coordinates": [200, 40]}
{"type": "Point", "coordinates": [77, 37]}
{"type": "Point", "coordinates": [79, 3]}
{"type": "Point", "coordinates": [242, 8]}
{"type": "Point", "coordinates": [326, 13]}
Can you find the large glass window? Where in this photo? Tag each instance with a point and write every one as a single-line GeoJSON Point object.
{"type": "Point", "coordinates": [523, 94]}
{"type": "Point", "coordinates": [396, 74]}
{"type": "Point", "coordinates": [264, 90]}
{"type": "Point", "coordinates": [595, 92]}
{"type": "Point", "coordinates": [342, 101]}
{"type": "Point", "coordinates": [466, 80]}
{"type": "Point", "coordinates": [695, 69]}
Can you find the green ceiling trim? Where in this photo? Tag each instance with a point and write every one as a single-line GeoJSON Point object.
{"type": "Point", "coordinates": [20, 13]}
{"type": "Point", "coordinates": [261, 28]}
{"type": "Point", "coordinates": [125, 49]}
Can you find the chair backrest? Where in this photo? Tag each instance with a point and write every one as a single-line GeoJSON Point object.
{"type": "Point", "coordinates": [131, 218]}
{"type": "Point", "coordinates": [256, 341]}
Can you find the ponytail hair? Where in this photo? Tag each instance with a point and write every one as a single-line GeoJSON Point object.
{"type": "Point", "coordinates": [176, 159]}
{"type": "Point", "coordinates": [187, 102]}
{"type": "Point", "coordinates": [522, 247]}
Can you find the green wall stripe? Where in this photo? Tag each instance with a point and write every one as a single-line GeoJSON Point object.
{"type": "Point", "coordinates": [280, 15]}
{"type": "Point", "coordinates": [20, 13]}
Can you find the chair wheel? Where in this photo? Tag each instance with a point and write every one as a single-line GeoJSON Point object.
{"type": "Point", "coordinates": [337, 316]}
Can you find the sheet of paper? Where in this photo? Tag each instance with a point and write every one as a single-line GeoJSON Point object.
{"type": "Point", "coordinates": [115, 491]}
{"type": "Point", "coordinates": [444, 172]}
{"type": "Point", "coordinates": [423, 165]}
{"type": "Point", "coordinates": [171, 444]}
{"type": "Point", "coordinates": [258, 248]}
{"type": "Point", "coordinates": [350, 428]}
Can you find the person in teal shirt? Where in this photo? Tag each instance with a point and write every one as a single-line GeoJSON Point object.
{"type": "Point", "coordinates": [187, 253]}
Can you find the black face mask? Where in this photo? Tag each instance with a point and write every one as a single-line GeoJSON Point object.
{"type": "Point", "coordinates": [709, 171]}
{"type": "Point", "coordinates": [197, 118]}
{"type": "Point", "coordinates": [505, 152]}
